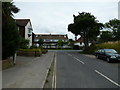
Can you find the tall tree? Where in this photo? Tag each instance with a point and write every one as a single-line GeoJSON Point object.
{"type": "Point", "coordinates": [105, 36]}
{"type": "Point", "coordinates": [10, 36]}
{"type": "Point", "coordinates": [87, 26]}
{"type": "Point", "coordinates": [114, 25]}
{"type": "Point", "coordinates": [72, 28]}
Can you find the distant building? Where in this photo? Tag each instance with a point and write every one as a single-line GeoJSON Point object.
{"type": "Point", "coordinates": [119, 10]}
{"type": "Point", "coordinates": [25, 29]}
{"type": "Point", "coordinates": [80, 42]}
{"type": "Point", "coordinates": [50, 40]}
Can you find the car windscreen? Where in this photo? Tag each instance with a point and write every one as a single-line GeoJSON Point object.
{"type": "Point", "coordinates": [110, 51]}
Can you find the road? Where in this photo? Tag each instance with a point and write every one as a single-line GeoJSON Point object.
{"type": "Point", "coordinates": [74, 70]}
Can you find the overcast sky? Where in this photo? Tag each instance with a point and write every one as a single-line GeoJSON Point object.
{"type": "Point", "coordinates": [53, 16]}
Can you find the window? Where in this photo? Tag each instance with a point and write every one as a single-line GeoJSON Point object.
{"type": "Point", "coordinates": [29, 30]}
{"type": "Point", "coordinates": [36, 40]}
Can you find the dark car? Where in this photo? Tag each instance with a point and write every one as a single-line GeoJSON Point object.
{"type": "Point", "coordinates": [107, 54]}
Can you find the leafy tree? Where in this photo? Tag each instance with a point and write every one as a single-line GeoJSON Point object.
{"type": "Point", "coordinates": [87, 26]}
{"type": "Point", "coordinates": [105, 36]}
{"type": "Point", "coordinates": [114, 25]}
{"type": "Point", "coordinates": [71, 43]}
{"type": "Point", "coordinates": [60, 43]}
{"type": "Point", "coordinates": [40, 42]}
{"type": "Point", "coordinates": [10, 35]}
{"type": "Point", "coordinates": [72, 28]}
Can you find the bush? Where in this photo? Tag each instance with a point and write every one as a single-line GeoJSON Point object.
{"type": "Point", "coordinates": [76, 47]}
{"type": "Point", "coordinates": [33, 47]}
{"type": "Point", "coordinates": [90, 50]}
{"type": "Point", "coordinates": [24, 43]}
{"type": "Point", "coordinates": [44, 51]}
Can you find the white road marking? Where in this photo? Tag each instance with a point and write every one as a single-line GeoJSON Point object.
{"type": "Point", "coordinates": [54, 75]}
{"type": "Point", "coordinates": [69, 54]}
{"type": "Point", "coordinates": [79, 60]}
{"type": "Point", "coordinates": [55, 70]}
{"type": "Point", "coordinates": [107, 78]}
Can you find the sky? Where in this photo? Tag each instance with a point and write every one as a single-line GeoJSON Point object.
{"type": "Point", "coordinates": [53, 16]}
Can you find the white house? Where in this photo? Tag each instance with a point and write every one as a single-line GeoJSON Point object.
{"type": "Point", "coordinates": [51, 40]}
{"type": "Point", "coordinates": [25, 29]}
{"type": "Point", "coordinates": [80, 42]}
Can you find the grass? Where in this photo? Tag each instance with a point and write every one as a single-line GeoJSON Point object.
{"type": "Point", "coordinates": [7, 64]}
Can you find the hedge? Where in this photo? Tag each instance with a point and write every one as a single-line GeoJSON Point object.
{"type": "Point", "coordinates": [107, 45]}
{"type": "Point", "coordinates": [29, 52]}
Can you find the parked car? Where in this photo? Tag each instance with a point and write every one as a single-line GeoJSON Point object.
{"type": "Point", "coordinates": [107, 54]}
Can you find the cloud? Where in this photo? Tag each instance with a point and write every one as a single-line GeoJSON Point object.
{"type": "Point", "coordinates": [54, 17]}
{"type": "Point", "coordinates": [66, 0]}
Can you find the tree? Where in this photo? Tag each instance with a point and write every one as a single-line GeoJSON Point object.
{"type": "Point", "coordinates": [71, 43]}
{"type": "Point", "coordinates": [87, 26]}
{"type": "Point", "coordinates": [73, 29]}
{"type": "Point", "coordinates": [10, 35]}
{"type": "Point", "coordinates": [105, 36]}
{"type": "Point", "coordinates": [40, 42]}
{"type": "Point", "coordinates": [114, 25]}
{"type": "Point", "coordinates": [60, 43]}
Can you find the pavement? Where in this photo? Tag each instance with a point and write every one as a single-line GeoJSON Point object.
{"type": "Point", "coordinates": [29, 72]}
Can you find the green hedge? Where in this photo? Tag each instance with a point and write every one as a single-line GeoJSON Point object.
{"type": "Point", "coordinates": [30, 50]}
{"type": "Point", "coordinates": [112, 45]}
{"type": "Point", "coordinates": [107, 45]}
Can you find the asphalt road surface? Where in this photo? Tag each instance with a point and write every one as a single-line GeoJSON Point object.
{"type": "Point", "coordinates": [74, 70]}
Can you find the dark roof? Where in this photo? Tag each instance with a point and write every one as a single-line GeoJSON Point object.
{"type": "Point", "coordinates": [22, 22]}
{"type": "Point", "coordinates": [52, 36]}
{"type": "Point", "coordinates": [80, 40]}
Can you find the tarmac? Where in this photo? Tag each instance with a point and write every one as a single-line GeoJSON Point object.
{"type": "Point", "coordinates": [29, 72]}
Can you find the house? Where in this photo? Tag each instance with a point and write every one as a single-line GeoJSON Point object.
{"type": "Point", "coordinates": [80, 42]}
{"type": "Point", "coordinates": [50, 40]}
{"type": "Point", "coordinates": [25, 29]}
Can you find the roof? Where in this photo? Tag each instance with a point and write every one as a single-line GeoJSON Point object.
{"type": "Point", "coordinates": [22, 22]}
{"type": "Point", "coordinates": [80, 40]}
{"type": "Point", "coordinates": [52, 36]}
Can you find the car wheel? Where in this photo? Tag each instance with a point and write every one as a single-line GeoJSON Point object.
{"type": "Point", "coordinates": [108, 60]}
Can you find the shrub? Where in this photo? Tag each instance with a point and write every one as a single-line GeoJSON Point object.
{"type": "Point", "coordinates": [76, 47]}
{"type": "Point", "coordinates": [24, 43]}
{"type": "Point", "coordinates": [33, 47]}
{"type": "Point", "coordinates": [44, 51]}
